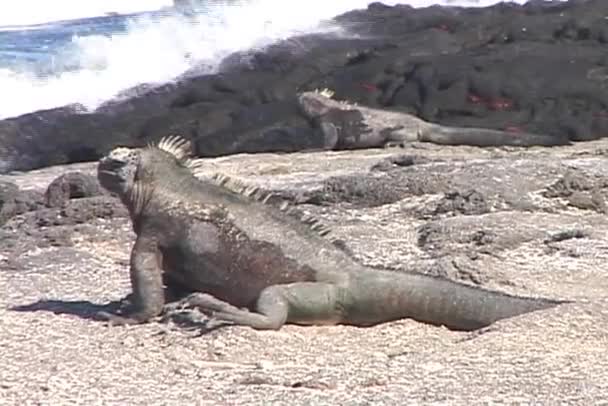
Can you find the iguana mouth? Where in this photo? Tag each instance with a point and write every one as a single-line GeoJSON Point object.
{"type": "Point", "coordinates": [107, 162]}
{"type": "Point", "coordinates": [109, 167]}
{"type": "Point", "coordinates": [108, 172]}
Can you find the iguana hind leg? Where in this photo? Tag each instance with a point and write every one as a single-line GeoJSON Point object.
{"type": "Point", "coordinates": [299, 303]}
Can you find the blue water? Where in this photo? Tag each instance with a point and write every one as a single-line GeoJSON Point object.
{"type": "Point", "coordinates": [34, 48]}
{"type": "Point", "coordinates": [59, 60]}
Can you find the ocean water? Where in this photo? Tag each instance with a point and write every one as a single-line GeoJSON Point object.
{"type": "Point", "coordinates": [54, 53]}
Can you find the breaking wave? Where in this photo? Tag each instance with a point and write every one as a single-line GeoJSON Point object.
{"type": "Point", "coordinates": [48, 59]}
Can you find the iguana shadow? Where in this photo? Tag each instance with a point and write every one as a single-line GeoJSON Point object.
{"type": "Point", "coordinates": [90, 311]}
{"type": "Point", "coordinates": [81, 308]}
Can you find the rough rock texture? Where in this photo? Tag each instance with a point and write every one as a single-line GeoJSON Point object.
{"type": "Point", "coordinates": [503, 218]}
{"type": "Point", "coordinates": [485, 67]}
{"type": "Point", "coordinates": [71, 185]}
{"type": "Point", "coordinates": [14, 201]}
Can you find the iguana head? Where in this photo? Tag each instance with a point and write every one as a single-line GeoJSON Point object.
{"type": "Point", "coordinates": [117, 170]}
{"type": "Point", "coordinates": [318, 102]}
{"type": "Point", "coordinates": [122, 167]}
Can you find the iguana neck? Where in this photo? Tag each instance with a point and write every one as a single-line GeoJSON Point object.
{"type": "Point", "coordinates": [149, 192]}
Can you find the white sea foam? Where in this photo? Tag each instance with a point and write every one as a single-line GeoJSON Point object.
{"type": "Point", "coordinates": [156, 51]}
{"type": "Point", "coordinates": [30, 12]}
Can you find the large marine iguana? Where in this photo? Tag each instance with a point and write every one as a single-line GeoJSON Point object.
{"type": "Point", "coordinates": [350, 126]}
{"type": "Point", "coordinates": [253, 263]}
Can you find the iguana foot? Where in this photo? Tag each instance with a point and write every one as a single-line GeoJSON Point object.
{"type": "Point", "coordinates": [191, 319]}
{"type": "Point", "coordinates": [300, 303]}
{"type": "Point", "coordinates": [121, 312]}
{"type": "Point", "coordinates": [204, 302]}
{"type": "Point", "coordinates": [225, 312]}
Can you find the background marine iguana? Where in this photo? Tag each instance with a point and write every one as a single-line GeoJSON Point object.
{"type": "Point", "coordinates": [349, 126]}
{"type": "Point", "coordinates": [252, 263]}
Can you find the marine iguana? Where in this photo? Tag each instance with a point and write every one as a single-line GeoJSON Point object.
{"type": "Point", "coordinates": [253, 263]}
{"type": "Point", "coordinates": [349, 126]}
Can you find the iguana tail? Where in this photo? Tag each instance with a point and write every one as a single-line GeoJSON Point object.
{"type": "Point", "coordinates": [437, 301]}
{"type": "Point", "coordinates": [484, 137]}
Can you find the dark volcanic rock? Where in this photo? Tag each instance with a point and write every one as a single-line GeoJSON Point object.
{"type": "Point", "coordinates": [72, 185]}
{"type": "Point", "coordinates": [56, 226]}
{"type": "Point", "coordinates": [375, 189]}
{"type": "Point", "coordinates": [14, 201]}
{"type": "Point", "coordinates": [8, 207]}
{"type": "Point", "coordinates": [580, 190]}
{"type": "Point", "coordinates": [467, 202]}
{"type": "Point", "coordinates": [58, 194]}
{"type": "Point", "coordinates": [539, 68]}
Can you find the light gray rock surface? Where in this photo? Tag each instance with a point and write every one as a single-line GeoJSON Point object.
{"type": "Point", "coordinates": [529, 222]}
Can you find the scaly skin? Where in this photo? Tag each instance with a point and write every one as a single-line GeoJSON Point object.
{"type": "Point", "coordinates": [348, 126]}
{"type": "Point", "coordinates": [251, 263]}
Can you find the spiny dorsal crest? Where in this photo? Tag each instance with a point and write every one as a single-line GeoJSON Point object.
{"type": "Point", "coordinates": [328, 93]}
{"type": "Point", "coordinates": [325, 92]}
{"type": "Point", "coordinates": [274, 200]}
{"type": "Point", "coordinates": [180, 148]}
{"type": "Point", "coordinates": [177, 146]}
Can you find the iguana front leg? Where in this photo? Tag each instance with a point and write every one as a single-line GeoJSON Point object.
{"type": "Point", "coordinates": [148, 297]}
{"type": "Point", "coordinates": [299, 303]}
